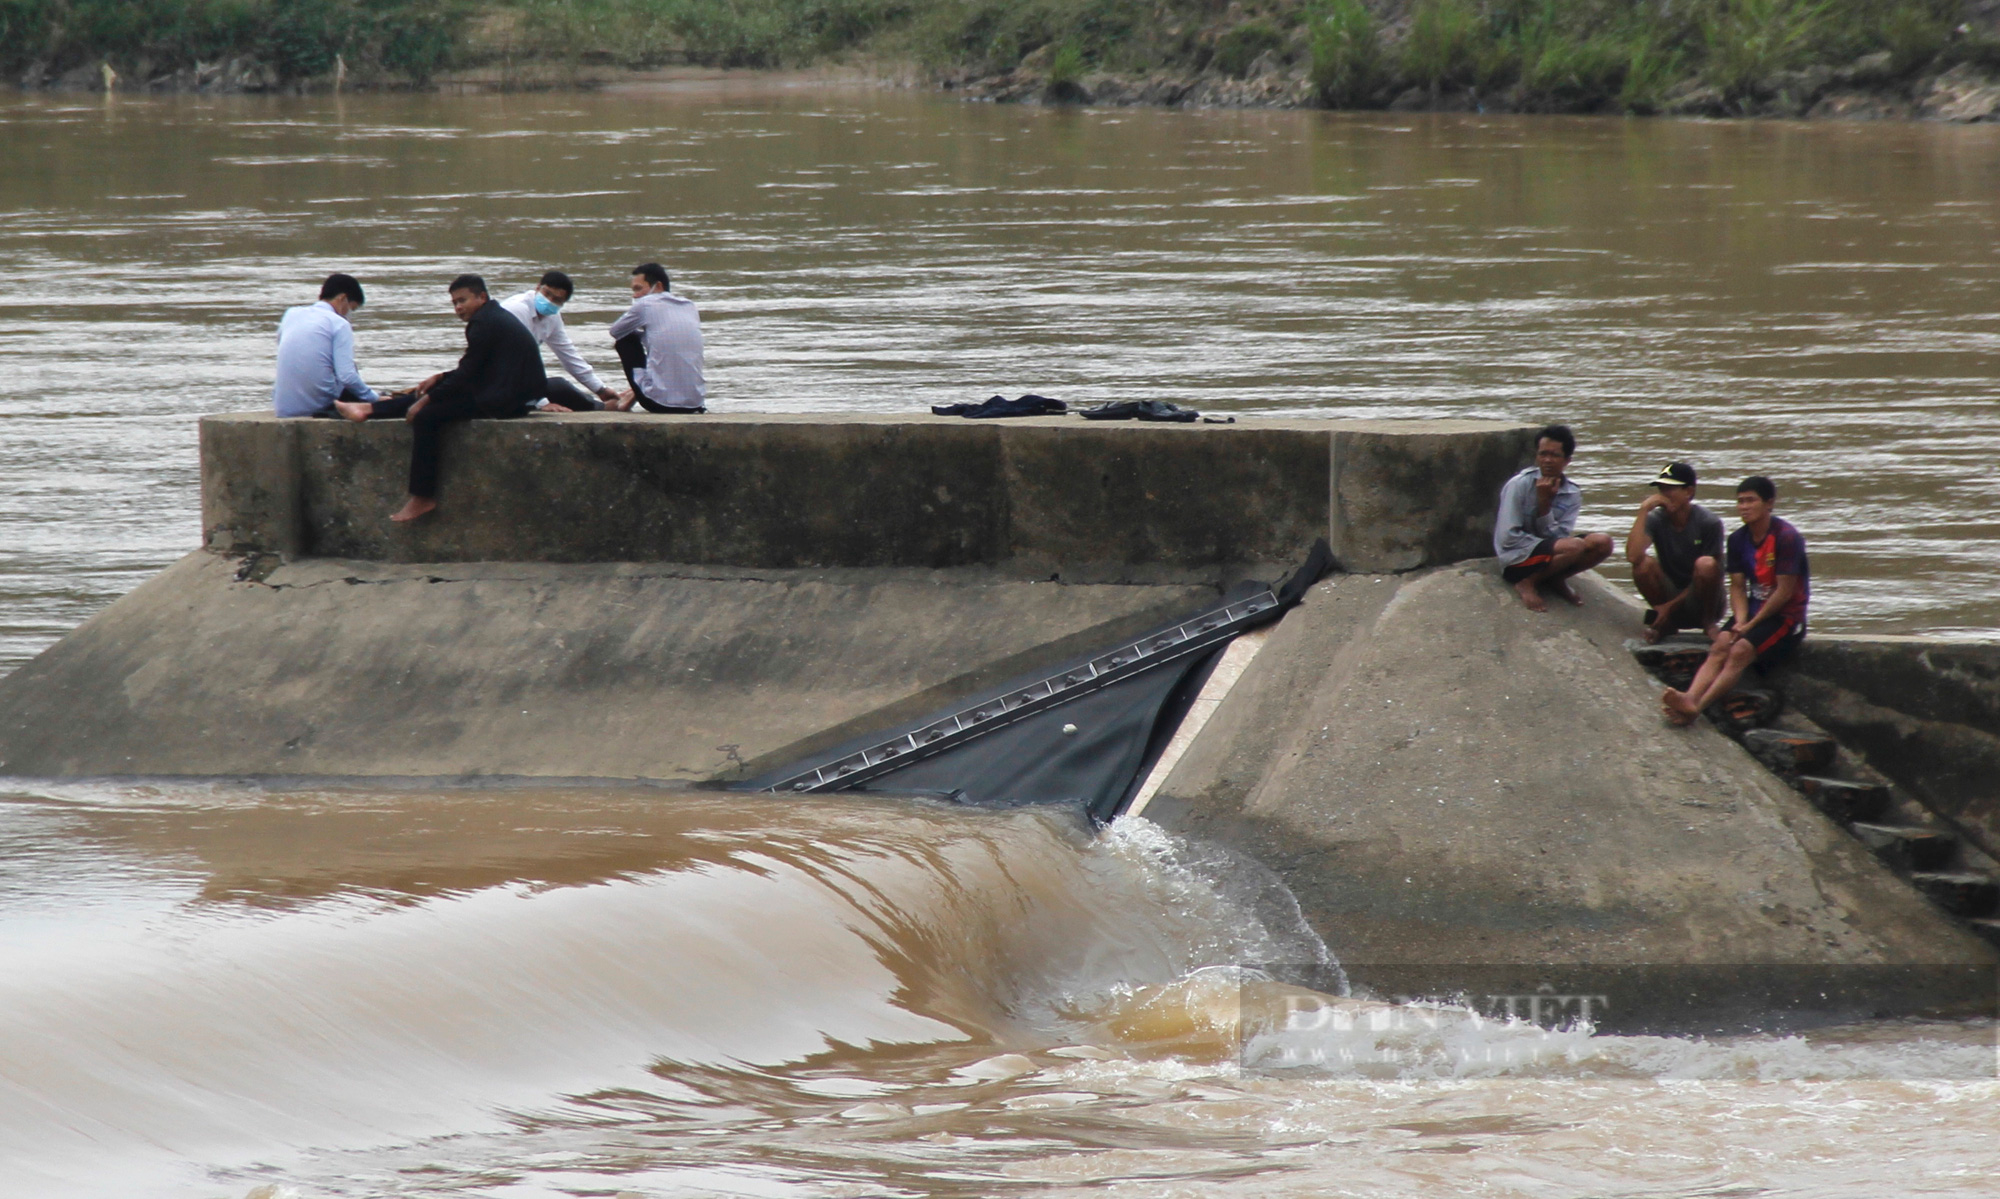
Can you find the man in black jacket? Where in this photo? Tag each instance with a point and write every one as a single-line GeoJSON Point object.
{"type": "Point", "coordinates": [499, 376]}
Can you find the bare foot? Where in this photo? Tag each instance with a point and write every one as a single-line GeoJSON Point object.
{"type": "Point", "coordinates": [1566, 593]}
{"type": "Point", "coordinates": [1680, 710]}
{"type": "Point", "coordinates": [622, 404]}
{"type": "Point", "coordinates": [353, 410]}
{"type": "Point", "coordinates": [1530, 596]}
{"type": "Point", "coordinates": [413, 508]}
{"type": "Point", "coordinates": [412, 415]}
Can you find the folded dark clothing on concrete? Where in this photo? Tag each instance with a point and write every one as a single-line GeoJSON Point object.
{"type": "Point", "coordinates": [1142, 410]}
{"type": "Point", "coordinates": [1027, 405]}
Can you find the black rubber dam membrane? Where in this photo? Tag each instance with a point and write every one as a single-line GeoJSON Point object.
{"type": "Point", "coordinates": [1084, 733]}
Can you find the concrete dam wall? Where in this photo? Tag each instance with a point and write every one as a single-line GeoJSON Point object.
{"type": "Point", "coordinates": [1439, 776]}
{"type": "Point", "coordinates": [1034, 495]}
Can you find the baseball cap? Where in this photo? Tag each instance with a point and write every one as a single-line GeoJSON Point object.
{"type": "Point", "coordinates": [1675, 474]}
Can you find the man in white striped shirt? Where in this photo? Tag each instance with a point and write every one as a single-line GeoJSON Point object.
{"type": "Point", "coordinates": [659, 343]}
{"type": "Point", "coordinates": [540, 309]}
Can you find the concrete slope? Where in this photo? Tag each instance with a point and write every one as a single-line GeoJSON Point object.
{"type": "Point", "coordinates": [325, 667]}
{"type": "Point", "coordinates": [1441, 776]}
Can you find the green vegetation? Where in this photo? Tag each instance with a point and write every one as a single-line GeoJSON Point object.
{"type": "Point", "coordinates": [1243, 45]}
{"type": "Point", "coordinates": [296, 39]}
{"type": "Point", "coordinates": [1349, 66]}
{"type": "Point", "coordinates": [1628, 55]}
{"type": "Point", "coordinates": [1533, 55]}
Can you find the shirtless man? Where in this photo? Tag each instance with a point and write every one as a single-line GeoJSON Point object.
{"type": "Point", "coordinates": [1535, 536]}
{"type": "Point", "coordinates": [1682, 580]}
{"type": "Point", "coordinates": [1770, 585]}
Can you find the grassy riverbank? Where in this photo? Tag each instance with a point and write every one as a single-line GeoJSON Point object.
{"type": "Point", "coordinates": [1534, 55]}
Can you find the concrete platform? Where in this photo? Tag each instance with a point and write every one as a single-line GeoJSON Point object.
{"type": "Point", "coordinates": [1442, 777]}
{"type": "Point", "coordinates": [1035, 496]}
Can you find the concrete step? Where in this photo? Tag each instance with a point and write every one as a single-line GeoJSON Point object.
{"type": "Point", "coordinates": [1674, 659]}
{"type": "Point", "coordinates": [1844, 801]}
{"type": "Point", "coordinates": [1747, 708]}
{"type": "Point", "coordinates": [1989, 929]}
{"type": "Point", "coordinates": [1906, 848]}
{"type": "Point", "coordinates": [1961, 894]}
{"type": "Point", "coordinates": [1792, 753]}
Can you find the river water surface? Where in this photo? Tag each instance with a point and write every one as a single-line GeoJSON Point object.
{"type": "Point", "coordinates": [206, 991]}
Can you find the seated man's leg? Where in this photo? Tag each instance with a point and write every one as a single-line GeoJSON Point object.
{"type": "Point", "coordinates": [632, 356]}
{"type": "Point", "coordinates": [1773, 638]}
{"type": "Point", "coordinates": [426, 447]}
{"type": "Point", "coordinates": [389, 407]}
{"type": "Point", "coordinates": [1574, 555]}
{"type": "Point", "coordinates": [1663, 596]}
{"type": "Point", "coordinates": [1766, 641]}
{"type": "Point", "coordinates": [1727, 659]}
{"type": "Point", "coordinates": [1704, 603]}
{"type": "Point", "coordinates": [1565, 556]}
{"type": "Point", "coordinates": [570, 396]}
{"type": "Point", "coordinates": [1526, 575]}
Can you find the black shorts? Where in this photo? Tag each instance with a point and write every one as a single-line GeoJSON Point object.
{"type": "Point", "coordinates": [1544, 551]}
{"type": "Point", "coordinates": [1774, 637]}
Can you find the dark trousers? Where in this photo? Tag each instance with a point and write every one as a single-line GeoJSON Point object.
{"type": "Point", "coordinates": [570, 396]}
{"type": "Point", "coordinates": [632, 356]}
{"type": "Point", "coordinates": [448, 404]}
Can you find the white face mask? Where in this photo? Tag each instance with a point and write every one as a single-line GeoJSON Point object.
{"type": "Point", "coordinates": [545, 306]}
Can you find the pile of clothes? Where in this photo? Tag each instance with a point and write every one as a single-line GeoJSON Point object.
{"type": "Point", "coordinates": [1034, 405]}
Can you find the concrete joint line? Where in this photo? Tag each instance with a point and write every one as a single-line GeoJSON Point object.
{"type": "Point", "coordinates": [1235, 660]}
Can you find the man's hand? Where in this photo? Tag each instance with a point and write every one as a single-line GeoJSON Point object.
{"type": "Point", "coordinates": [607, 395]}
{"type": "Point", "coordinates": [1651, 502]}
{"type": "Point", "coordinates": [1545, 491]}
{"type": "Point", "coordinates": [424, 388]}
{"type": "Point", "coordinates": [552, 406]}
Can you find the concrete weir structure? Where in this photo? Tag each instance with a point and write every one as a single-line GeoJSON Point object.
{"type": "Point", "coordinates": [1438, 775]}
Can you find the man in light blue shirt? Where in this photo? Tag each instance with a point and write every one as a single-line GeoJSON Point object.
{"type": "Point", "coordinates": [1534, 535]}
{"type": "Point", "coordinates": [316, 353]}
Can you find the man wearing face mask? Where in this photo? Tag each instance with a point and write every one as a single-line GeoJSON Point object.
{"type": "Point", "coordinates": [540, 309]}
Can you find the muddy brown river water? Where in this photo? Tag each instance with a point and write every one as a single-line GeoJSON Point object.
{"type": "Point", "coordinates": [206, 990]}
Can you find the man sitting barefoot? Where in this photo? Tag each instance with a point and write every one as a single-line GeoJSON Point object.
{"type": "Point", "coordinates": [499, 376]}
{"type": "Point", "coordinates": [1683, 579]}
{"type": "Point", "coordinates": [1770, 584]}
{"type": "Point", "coordinates": [1534, 535]}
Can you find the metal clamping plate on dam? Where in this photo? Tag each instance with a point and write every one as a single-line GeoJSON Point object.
{"type": "Point", "coordinates": [1438, 775]}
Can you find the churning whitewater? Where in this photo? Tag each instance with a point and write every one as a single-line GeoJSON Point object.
{"type": "Point", "coordinates": [212, 990]}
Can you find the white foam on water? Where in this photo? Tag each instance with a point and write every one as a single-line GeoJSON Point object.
{"type": "Point", "coordinates": [578, 993]}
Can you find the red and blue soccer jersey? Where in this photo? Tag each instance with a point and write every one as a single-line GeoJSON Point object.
{"type": "Point", "coordinates": [1781, 552]}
